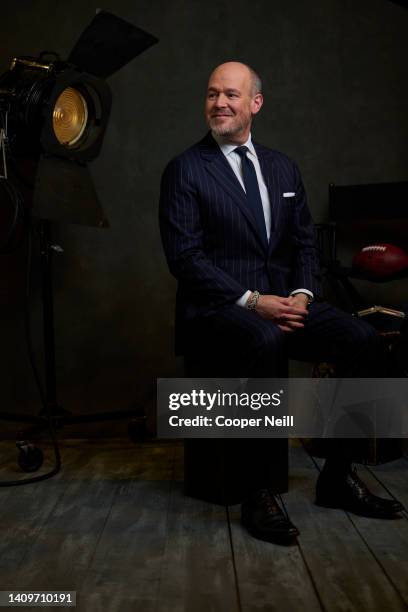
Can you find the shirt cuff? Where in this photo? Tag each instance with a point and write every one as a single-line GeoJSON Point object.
{"type": "Point", "coordinates": [309, 293]}
{"type": "Point", "coordinates": [243, 299]}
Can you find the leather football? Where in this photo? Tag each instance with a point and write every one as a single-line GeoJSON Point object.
{"type": "Point", "coordinates": [380, 261]}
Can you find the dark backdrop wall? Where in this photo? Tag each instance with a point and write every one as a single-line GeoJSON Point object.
{"type": "Point", "coordinates": [336, 99]}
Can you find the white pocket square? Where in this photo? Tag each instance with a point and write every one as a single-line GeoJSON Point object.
{"type": "Point", "coordinates": [289, 194]}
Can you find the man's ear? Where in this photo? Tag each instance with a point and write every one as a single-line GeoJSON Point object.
{"type": "Point", "coordinates": [256, 103]}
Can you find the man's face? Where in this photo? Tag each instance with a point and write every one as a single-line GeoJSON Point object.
{"type": "Point", "coordinates": [231, 102]}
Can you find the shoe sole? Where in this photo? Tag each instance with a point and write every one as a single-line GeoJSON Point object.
{"type": "Point", "coordinates": [336, 506]}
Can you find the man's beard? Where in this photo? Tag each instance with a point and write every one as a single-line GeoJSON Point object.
{"type": "Point", "coordinates": [226, 130]}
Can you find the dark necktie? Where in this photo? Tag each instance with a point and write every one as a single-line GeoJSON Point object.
{"type": "Point", "coordinates": [252, 190]}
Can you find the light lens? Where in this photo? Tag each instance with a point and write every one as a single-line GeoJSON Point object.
{"type": "Point", "coordinates": [69, 117]}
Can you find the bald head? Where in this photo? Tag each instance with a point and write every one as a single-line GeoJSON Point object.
{"type": "Point", "coordinates": [233, 98]}
{"type": "Point", "coordinates": [240, 70]}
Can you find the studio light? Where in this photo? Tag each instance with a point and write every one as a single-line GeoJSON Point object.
{"type": "Point", "coordinates": [54, 108]}
{"type": "Point", "coordinates": [53, 119]}
{"type": "Point", "coordinates": [55, 113]}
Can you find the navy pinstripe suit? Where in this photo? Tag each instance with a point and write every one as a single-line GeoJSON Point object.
{"type": "Point", "coordinates": [210, 235]}
{"type": "Point", "coordinates": [213, 248]}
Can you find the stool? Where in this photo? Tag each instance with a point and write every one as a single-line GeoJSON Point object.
{"type": "Point", "coordinates": [213, 467]}
{"type": "Point", "coordinates": [212, 473]}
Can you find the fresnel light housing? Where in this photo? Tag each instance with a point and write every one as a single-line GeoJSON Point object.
{"type": "Point", "coordinates": [54, 108]}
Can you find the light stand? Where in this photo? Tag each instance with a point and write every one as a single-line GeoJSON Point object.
{"type": "Point", "coordinates": [30, 457]}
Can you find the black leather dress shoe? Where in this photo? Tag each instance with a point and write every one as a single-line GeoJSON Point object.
{"type": "Point", "coordinates": [351, 494]}
{"type": "Point", "coordinates": [265, 520]}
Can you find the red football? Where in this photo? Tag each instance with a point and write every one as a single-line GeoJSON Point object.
{"type": "Point", "coordinates": [380, 261]}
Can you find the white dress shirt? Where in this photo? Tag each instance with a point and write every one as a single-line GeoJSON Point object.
{"type": "Point", "coordinates": [234, 161]}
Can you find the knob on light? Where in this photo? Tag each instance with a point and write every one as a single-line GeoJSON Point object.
{"type": "Point", "coordinates": [70, 116]}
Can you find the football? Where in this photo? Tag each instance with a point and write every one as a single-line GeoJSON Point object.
{"type": "Point", "coordinates": [380, 261]}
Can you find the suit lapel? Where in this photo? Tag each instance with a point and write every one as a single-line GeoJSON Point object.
{"type": "Point", "coordinates": [221, 171]}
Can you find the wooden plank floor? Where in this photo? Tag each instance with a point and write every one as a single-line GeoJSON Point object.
{"type": "Point", "coordinates": [114, 526]}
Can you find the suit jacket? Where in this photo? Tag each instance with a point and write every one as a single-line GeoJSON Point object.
{"type": "Point", "coordinates": [210, 235]}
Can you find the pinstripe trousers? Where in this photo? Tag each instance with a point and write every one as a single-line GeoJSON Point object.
{"type": "Point", "coordinates": [242, 344]}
